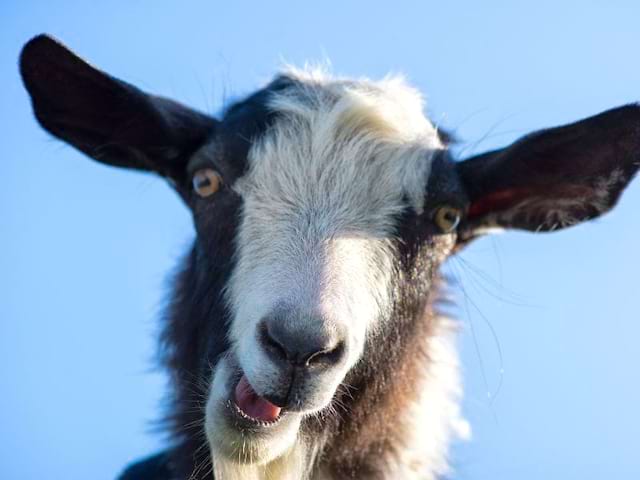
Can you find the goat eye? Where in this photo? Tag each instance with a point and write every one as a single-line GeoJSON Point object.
{"type": "Point", "coordinates": [206, 182]}
{"type": "Point", "coordinates": [447, 218]}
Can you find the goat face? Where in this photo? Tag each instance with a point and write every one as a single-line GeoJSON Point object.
{"type": "Point", "coordinates": [338, 172]}
{"type": "Point", "coordinates": [323, 209]}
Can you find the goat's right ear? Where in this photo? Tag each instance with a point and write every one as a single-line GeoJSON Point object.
{"type": "Point", "coordinates": [553, 178]}
{"type": "Point", "coordinates": [106, 118]}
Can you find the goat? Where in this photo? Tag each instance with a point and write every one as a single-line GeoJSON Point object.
{"type": "Point", "coordinates": [303, 338]}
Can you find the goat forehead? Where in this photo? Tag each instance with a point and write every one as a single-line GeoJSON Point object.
{"type": "Point", "coordinates": [344, 154]}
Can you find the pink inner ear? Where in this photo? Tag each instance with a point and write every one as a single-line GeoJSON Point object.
{"type": "Point", "coordinates": [502, 200]}
{"type": "Point", "coordinates": [498, 201]}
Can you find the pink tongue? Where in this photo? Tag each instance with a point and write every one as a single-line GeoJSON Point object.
{"type": "Point", "coordinates": [254, 405]}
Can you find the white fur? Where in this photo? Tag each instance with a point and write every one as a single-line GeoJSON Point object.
{"type": "Point", "coordinates": [324, 186]}
{"type": "Point", "coordinates": [435, 420]}
{"type": "Point", "coordinates": [320, 199]}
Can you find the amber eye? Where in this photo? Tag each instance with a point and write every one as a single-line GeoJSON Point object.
{"type": "Point", "coordinates": [206, 182]}
{"type": "Point", "coordinates": [447, 218]}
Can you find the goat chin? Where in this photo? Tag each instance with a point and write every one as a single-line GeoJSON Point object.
{"type": "Point", "coordinates": [291, 465]}
{"type": "Point", "coordinates": [235, 448]}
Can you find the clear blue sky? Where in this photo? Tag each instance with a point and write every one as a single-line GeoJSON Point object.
{"type": "Point", "coordinates": [84, 249]}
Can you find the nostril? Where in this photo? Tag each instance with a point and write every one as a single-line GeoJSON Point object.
{"type": "Point", "coordinates": [301, 342]}
{"type": "Point", "coordinates": [271, 344]}
{"type": "Point", "coordinates": [328, 356]}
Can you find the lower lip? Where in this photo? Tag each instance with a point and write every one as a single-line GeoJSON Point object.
{"type": "Point", "coordinates": [240, 388]}
{"type": "Point", "coordinates": [247, 421]}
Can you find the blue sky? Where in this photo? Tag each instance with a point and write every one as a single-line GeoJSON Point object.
{"type": "Point", "coordinates": [549, 323]}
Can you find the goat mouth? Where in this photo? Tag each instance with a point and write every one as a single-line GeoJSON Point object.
{"type": "Point", "coordinates": [251, 407]}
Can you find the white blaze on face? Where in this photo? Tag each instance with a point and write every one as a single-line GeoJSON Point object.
{"type": "Point", "coordinates": [324, 188]}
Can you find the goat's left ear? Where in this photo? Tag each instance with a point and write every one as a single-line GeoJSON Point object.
{"type": "Point", "coordinates": [553, 178]}
{"type": "Point", "coordinates": [108, 119]}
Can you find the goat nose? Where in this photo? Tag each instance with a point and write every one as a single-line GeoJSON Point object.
{"type": "Point", "coordinates": [301, 341]}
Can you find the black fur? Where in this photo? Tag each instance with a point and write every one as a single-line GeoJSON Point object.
{"type": "Point", "coordinates": [157, 467]}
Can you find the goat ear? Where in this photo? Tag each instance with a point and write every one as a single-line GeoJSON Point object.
{"type": "Point", "coordinates": [106, 118]}
{"type": "Point", "coordinates": [553, 178]}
